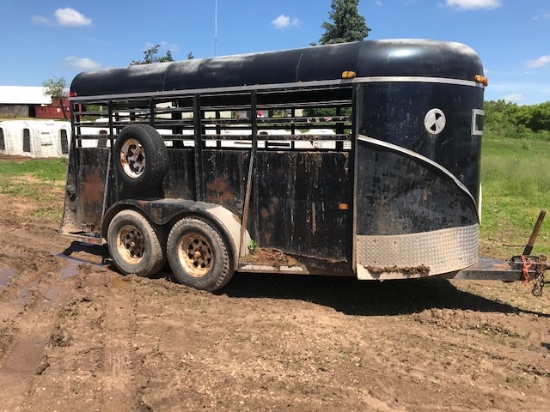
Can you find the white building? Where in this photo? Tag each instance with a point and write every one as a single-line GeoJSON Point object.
{"type": "Point", "coordinates": [21, 101]}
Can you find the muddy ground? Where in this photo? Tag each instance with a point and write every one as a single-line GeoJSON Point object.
{"type": "Point", "coordinates": [78, 336]}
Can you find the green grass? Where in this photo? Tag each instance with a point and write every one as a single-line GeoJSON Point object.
{"type": "Point", "coordinates": [42, 169]}
{"type": "Point", "coordinates": [40, 180]}
{"type": "Point", "coordinates": [515, 176]}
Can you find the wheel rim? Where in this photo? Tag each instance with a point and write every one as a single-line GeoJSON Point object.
{"type": "Point", "coordinates": [131, 245]}
{"type": "Point", "coordinates": [132, 158]}
{"type": "Point", "coordinates": [195, 255]}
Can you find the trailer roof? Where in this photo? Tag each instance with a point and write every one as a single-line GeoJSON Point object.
{"type": "Point", "coordinates": [401, 58]}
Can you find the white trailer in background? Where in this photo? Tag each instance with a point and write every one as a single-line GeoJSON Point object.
{"type": "Point", "coordinates": [35, 138]}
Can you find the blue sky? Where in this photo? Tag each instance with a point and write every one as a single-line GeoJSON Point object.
{"type": "Point", "coordinates": [50, 38]}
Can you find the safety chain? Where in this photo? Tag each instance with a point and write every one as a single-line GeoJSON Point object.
{"type": "Point", "coordinates": [539, 280]}
{"type": "Point", "coordinates": [525, 270]}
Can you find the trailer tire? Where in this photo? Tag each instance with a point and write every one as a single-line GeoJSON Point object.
{"type": "Point", "coordinates": [198, 255]}
{"type": "Point", "coordinates": [135, 246]}
{"type": "Point", "coordinates": [141, 158]}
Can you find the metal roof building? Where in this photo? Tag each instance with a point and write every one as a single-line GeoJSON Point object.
{"type": "Point", "coordinates": [23, 95]}
{"type": "Point", "coordinates": [22, 101]}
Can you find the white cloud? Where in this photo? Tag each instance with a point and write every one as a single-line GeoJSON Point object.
{"type": "Point", "coordinates": [81, 63]}
{"type": "Point", "coordinates": [71, 18]}
{"type": "Point", "coordinates": [43, 21]}
{"type": "Point", "coordinates": [541, 61]}
{"type": "Point", "coordinates": [473, 4]}
{"type": "Point", "coordinates": [542, 16]}
{"type": "Point", "coordinates": [514, 98]}
{"type": "Point", "coordinates": [283, 22]}
{"type": "Point", "coordinates": [63, 17]}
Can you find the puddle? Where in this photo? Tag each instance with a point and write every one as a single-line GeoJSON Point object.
{"type": "Point", "coordinates": [6, 273]}
{"type": "Point", "coordinates": [79, 254]}
{"type": "Point", "coordinates": [24, 295]}
{"type": "Point", "coordinates": [73, 263]}
{"type": "Point", "coordinates": [72, 268]}
{"type": "Point", "coordinates": [52, 293]}
{"type": "Point", "coordinates": [85, 253]}
{"type": "Point", "coordinates": [119, 282]}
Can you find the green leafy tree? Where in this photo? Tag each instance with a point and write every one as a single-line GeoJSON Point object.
{"type": "Point", "coordinates": [151, 56]}
{"type": "Point", "coordinates": [347, 24]}
{"type": "Point", "coordinates": [506, 119]}
{"type": "Point", "coordinates": [536, 117]}
{"type": "Point", "coordinates": [56, 88]}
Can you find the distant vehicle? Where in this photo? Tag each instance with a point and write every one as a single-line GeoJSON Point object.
{"type": "Point", "coordinates": [389, 187]}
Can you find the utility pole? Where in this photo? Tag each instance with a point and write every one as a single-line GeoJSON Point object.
{"type": "Point", "coordinates": [216, 28]}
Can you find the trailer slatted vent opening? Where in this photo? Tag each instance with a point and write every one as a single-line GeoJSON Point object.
{"type": "Point", "coordinates": [64, 142]}
{"type": "Point", "coordinates": [102, 141]}
{"type": "Point", "coordinates": [26, 140]}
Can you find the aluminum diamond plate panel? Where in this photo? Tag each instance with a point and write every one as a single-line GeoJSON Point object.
{"type": "Point", "coordinates": [418, 254]}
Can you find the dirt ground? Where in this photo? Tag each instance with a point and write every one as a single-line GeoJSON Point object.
{"type": "Point", "coordinates": [75, 335]}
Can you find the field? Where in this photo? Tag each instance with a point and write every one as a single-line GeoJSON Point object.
{"type": "Point", "coordinates": [77, 335]}
{"type": "Point", "coordinates": [515, 178]}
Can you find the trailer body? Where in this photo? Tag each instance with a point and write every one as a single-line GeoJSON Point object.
{"type": "Point", "coordinates": [357, 159]}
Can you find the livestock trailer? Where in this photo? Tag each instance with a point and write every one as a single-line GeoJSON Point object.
{"type": "Point", "coordinates": [367, 164]}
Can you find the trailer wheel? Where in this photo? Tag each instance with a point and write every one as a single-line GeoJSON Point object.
{"type": "Point", "coordinates": [198, 255]}
{"type": "Point", "coordinates": [141, 156]}
{"type": "Point", "coordinates": [135, 246]}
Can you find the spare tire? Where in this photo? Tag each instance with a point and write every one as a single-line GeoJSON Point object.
{"type": "Point", "coordinates": [141, 158]}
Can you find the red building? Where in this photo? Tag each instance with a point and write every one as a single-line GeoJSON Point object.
{"type": "Point", "coordinates": [23, 101]}
{"type": "Point", "coordinates": [58, 109]}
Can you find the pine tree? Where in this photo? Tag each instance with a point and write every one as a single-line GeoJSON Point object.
{"type": "Point", "coordinates": [348, 25]}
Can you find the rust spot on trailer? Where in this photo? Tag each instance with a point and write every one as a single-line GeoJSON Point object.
{"type": "Point", "coordinates": [93, 187]}
{"type": "Point", "coordinates": [218, 190]}
{"type": "Point", "coordinates": [264, 213]}
{"type": "Point", "coordinates": [421, 270]}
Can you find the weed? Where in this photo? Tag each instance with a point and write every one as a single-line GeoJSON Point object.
{"type": "Point", "coordinates": [252, 246]}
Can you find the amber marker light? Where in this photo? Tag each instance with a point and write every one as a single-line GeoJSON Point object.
{"type": "Point", "coordinates": [482, 79]}
{"type": "Point", "coordinates": [343, 206]}
{"type": "Point", "coordinates": [348, 74]}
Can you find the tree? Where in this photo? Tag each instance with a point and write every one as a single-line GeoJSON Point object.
{"type": "Point", "coordinates": [151, 56]}
{"type": "Point", "coordinates": [347, 24]}
{"type": "Point", "coordinates": [506, 119]}
{"type": "Point", "coordinates": [56, 88]}
{"type": "Point", "coordinates": [536, 117]}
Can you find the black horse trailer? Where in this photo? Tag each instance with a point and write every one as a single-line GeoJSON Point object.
{"type": "Point", "coordinates": [358, 159]}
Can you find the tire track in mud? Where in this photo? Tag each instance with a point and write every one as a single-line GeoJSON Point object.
{"type": "Point", "coordinates": [119, 390]}
{"type": "Point", "coordinates": [66, 327]}
{"type": "Point", "coordinates": [32, 293]}
{"type": "Point", "coordinates": [31, 319]}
